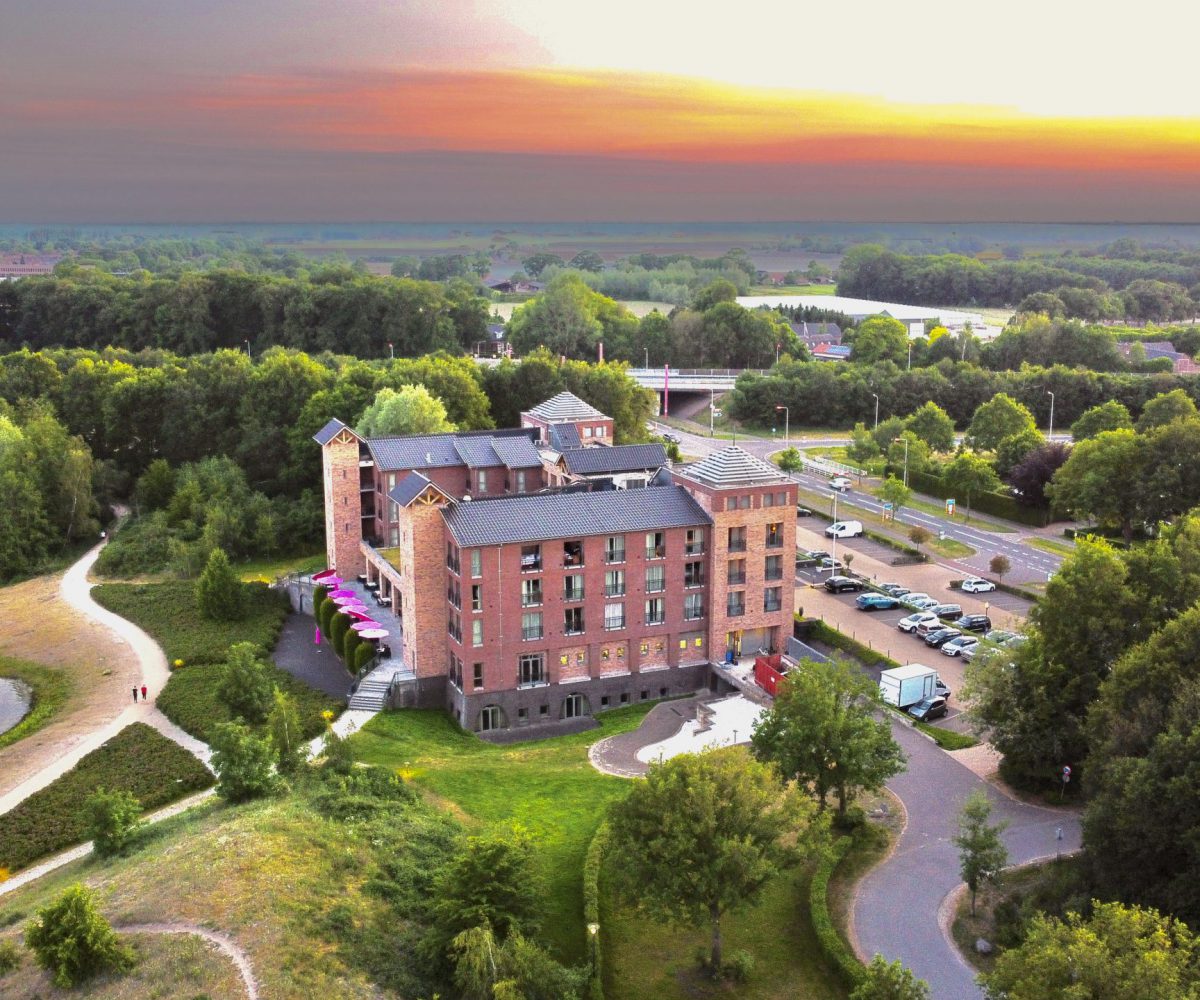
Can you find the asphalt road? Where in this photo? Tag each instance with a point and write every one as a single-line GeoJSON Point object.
{"type": "Point", "coordinates": [1028, 563]}
{"type": "Point", "coordinates": [896, 908]}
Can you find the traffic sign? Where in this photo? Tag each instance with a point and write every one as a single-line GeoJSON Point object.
{"type": "Point", "coordinates": [1066, 774]}
{"type": "Point", "coordinates": [888, 513]}
{"type": "Point", "coordinates": [950, 506]}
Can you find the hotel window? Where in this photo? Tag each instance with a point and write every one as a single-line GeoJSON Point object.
{"type": "Point", "coordinates": [481, 481]}
{"type": "Point", "coordinates": [573, 553]}
{"type": "Point", "coordinates": [531, 669]}
{"type": "Point", "coordinates": [775, 535]}
{"type": "Point", "coordinates": [744, 502]}
{"type": "Point", "coordinates": [656, 611]}
{"type": "Point", "coordinates": [693, 606]}
{"type": "Point", "coordinates": [573, 587]}
{"type": "Point", "coordinates": [614, 616]}
{"type": "Point", "coordinates": [736, 573]}
{"type": "Point", "coordinates": [477, 597]}
{"type": "Point", "coordinates": [454, 593]}
{"type": "Point", "coordinates": [735, 603]}
{"type": "Point", "coordinates": [731, 503]}
{"type": "Point", "coordinates": [531, 625]}
{"type": "Point", "coordinates": [656, 579]}
{"type": "Point", "coordinates": [531, 593]}
{"type": "Point", "coordinates": [456, 671]}
{"type": "Point", "coordinates": [531, 558]}
{"type": "Point", "coordinates": [600, 431]}
{"type": "Point", "coordinates": [693, 544]}
{"type": "Point", "coordinates": [781, 499]}
{"type": "Point", "coordinates": [476, 562]}
{"type": "Point", "coordinates": [573, 621]}
{"type": "Point", "coordinates": [614, 549]}
{"type": "Point", "coordinates": [772, 599]}
{"type": "Point", "coordinates": [477, 632]}
{"type": "Point", "coordinates": [737, 539]}
{"type": "Point", "coordinates": [773, 568]}
{"type": "Point", "coordinates": [768, 500]}
{"type": "Point", "coordinates": [490, 718]}
{"type": "Point", "coordinates": [478, 678]}
{"type": "Point", "coordinates": [454, 626]}
{"type": "Point", "coordinates": [614, 583]}
{"type": "Point", "coordinates": [656, 545]}
{"type": "Point", "coordinates": [693, 574]}
{"type": "Point", "coordinates": [452, 557]}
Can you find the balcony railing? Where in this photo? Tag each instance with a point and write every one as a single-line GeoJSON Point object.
{"type": "Point", "coordinates": [614, 555]}
{"type": "Point", "coordinates": [656, 551]}
{"type": "Point", "coordinates": [737, 545]}
{"type": "Point", "coordinates": [773, 574]}
{"type": "Point", "coordinates": [572, 593]}
{"type": "Point", "coordinates": [770, 604]}
{"type": "Point", "coordinates": [774, 542]}
{"type": "Point", "coordinates": [614, 590]}
{"type": "Point", "coordinates": [733, 610]}
{"type": "Point", "coordinates": [531, 600]}
{"type": "Point", "coordinates": [534, 632]}
{"type": "Point", "coordinates": [693, 549]}
{"type": "Point", "coordinates": [531, 564]}
{"type": "Point", "coordinates": [655, 619]}
{"type": "Point", "coordinates": [610, 624]}
{"type": "Point", "coordinates": [736, 578]}
{"type": "Point", "coordinates": [692, 614]}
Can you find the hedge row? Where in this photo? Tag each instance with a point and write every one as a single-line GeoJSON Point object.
{"type": "Point", "coordinates": [168, 612]}
{"type": "Point", "coordinates": [832, 946]}
{"type": "Point", "coordinates": [838, 640]}
{"type": "Point", "coordinates": [190, 700]}
{"type": "Point", "coordinates": [997, 504]}
{"type": "Point", "coordinates": [138, 759]}
{"type": "Point", "coordinates": [591, 906]}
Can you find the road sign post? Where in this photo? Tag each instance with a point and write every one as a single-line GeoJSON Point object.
{"type": "Point", "coordinates": [889, 513]}
{"type": "Point", "coordinates": [1066, 777]}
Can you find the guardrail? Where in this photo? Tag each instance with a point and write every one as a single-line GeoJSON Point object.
{"type": "Point", "coordinates": [828, 468]}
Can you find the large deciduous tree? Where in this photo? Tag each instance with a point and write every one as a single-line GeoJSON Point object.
{"type": "Point", "coordinates": [970, 474]}
{"type": "Point", "coordinates": [411, 410]}
{"type": "Point", "coordinates": [1030, 477]}
{"type": "Point", "coordinates": [1110, 415]}
{"type": "Point", "coordinates": [1000, 417]}
{"type": "Point", "coordinates": [704, 833]}
{"type": "Point", "coordinates": [932, 425]}
{"type": "Point", "coordinates": [879, 338]}
{"type": "Point", "coordinates": [1103, 479]}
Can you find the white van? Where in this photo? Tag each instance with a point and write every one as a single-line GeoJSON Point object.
{"type": "Point", "coordinates": [840, 483]}
{"type": "Point", "coordinates": [844, 529]}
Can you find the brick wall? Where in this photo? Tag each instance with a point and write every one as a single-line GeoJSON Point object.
{"type": "Point", "coordinates": [343, 504]}
{"type": "Point", "coordinates": [422, 589]}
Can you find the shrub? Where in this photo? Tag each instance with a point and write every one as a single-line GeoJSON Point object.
{"type": "Point", "coordinates": [244, 763]}
{"type": "Point", "coordinates": [10, 957]}
{"type": "Point", "coordinates": [168, 612]}
{"type": "Point", "coordinates": [362, 656]}
{"type": "Point", "coordinates": [73, 942]}
{"type": "Point", "coordinates": [337, 633]}
{"type": "Point", "coordinates": [219, 594]}
{"type": "Point", "coordinates": [139, 760]}
{"type": "Point", "coordinates": [831, 943]}
{"type": "Point", "coordinates": [113, 820]}
{"type": "Point", "coordinates": [245, 685]}
{"type": "Point", "coordinates": [141, 546]}
{"type": "Point", "coordinates": [286, 737]}
{"type": "Point", "coordinates": [740, 966]}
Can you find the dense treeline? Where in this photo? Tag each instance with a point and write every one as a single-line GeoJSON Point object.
{"type": "Point", "coordinates": [125, 410]}
{"type": "Point", "coordinates": [334, 308]}
{"type": "Point", "coordinates": [1149, 289]}
{"type": "Point", "coordinates": [671, 278]}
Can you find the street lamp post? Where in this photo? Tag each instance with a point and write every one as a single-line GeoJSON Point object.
{"type": "Point", "coordinates": [876, 410]}
{"type": "Point", "coordinates": [787, 416]}
{"type": "Point", "coordinates": [906, 461]}
{"type": "Point", "coordinates": [247, 343]}
{"type": "Point", "coordinates": [909, 368]}
{"type": "Point", "coordinates": [833, 547]}
{"type": "Point", "coordinates": [391, 350]}
{"type": "Point", "coordinates": [647, 350]}
{"type": "Point", "coordinates": [1050, 436]}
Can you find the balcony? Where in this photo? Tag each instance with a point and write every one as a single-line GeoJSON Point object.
{"type": "Point", "coordinates": [737, 545]}
{"type": "Point", "coordinates": [656, 552]}
{"type": "Point", "coordinates": [533, 632]}
{"type": "Point", "coordinates": [572, 593]}
{"type": "Point", "coordinates": [614, 590]}
{"type": "Point", "coordinates": [736, 579]}
{"type": "Point", "coordinates": [772, 604]}
{"type": "Point", "coordinates": [530, 564]}
{"type": "Point", "coordinates": [531, 600]}
{"type": "Point", "coordinates": [614, 555]}
{"type": "Point", "coordinates": [612, 624]}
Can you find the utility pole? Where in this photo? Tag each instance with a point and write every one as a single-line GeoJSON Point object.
{"type": "Point", "coordinates": [833, 548]}
{"type": "Point", "coordinates": [1050, 436]}
{"type": "Point", "coordinates": [876, 410]}
{"type": "Point", "coordinates": [391, 350]}
{"type": "Point", "coordinates": [247, 343]}
{"type": "Point", "coordinates": [787, 416]}
{"type": "Point", "coordinates": [906, 461]}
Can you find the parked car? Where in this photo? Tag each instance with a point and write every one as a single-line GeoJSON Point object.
{"type": "Point", "coordinates": [968, 652]}
{"type": "Point", "coordinates": [922, 603]}
{"type": "Point", "coordinates": [999, 636]}
{"type": "Point", "coordinates": [940, 636]}
{"type": "Point", "coordinates": [805, 559]}
{"type": "Point", "coordinates": [910, 623]}
{"type": "Point", "coordinates": [1015, 641]}
{"type": "Point", "coordinates": [974, 623]}
{"type": "Point", "coordinates": [840, 584]}
{"type": "Point", "coordinates": [940, 689]}
{"type": "Point", "coordinates": [948, 612]}
{"type": "Point", "coordinates": [932, 626]}
{"type": "Point", "coordinates": [827, 563]}
{"type": "Point", "coordinates": [894, 589]}
{"type": "Point", "coordinates": [844, 529]}
{"type": "Point", "coordinates": [930, 708]}
{"type": "Point", "coordinates": [959, 645]}
{"type": "Point", "coordinates": [876, 602]}
{"type": "Point", "coordinates": [840, 483]}
{"type": "Point", "coordinates": [975, 585]}
{"type": "Point", "coordinates": [803, 511]}
{"type": "Point", "coordinates": [915, 595]}
{"type": "Point", "coordinates": [673, 438]}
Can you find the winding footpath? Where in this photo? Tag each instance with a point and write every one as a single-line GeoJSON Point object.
{"type": "Point", "coordinates": [222, 943]}
{"type": "Point", "coordinates": [902, 906]}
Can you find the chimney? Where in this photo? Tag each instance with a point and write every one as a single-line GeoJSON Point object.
{"type": "Point", "coordinates": [429, 458]}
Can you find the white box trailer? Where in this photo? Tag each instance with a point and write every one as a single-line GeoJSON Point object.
{"type": "Point", "coordinates": [907, 685]}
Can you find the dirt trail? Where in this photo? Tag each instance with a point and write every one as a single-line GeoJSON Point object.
{"type": "Point", "coordinates": [223, 944]}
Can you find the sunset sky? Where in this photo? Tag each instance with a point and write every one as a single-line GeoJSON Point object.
{"type": "Point", "coordinates": [538, 110]}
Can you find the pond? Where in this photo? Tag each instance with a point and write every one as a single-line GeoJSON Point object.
{"type": "Point", "coordinates": [15, 699]}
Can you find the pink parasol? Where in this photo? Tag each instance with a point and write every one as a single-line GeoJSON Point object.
{"type": "Point", "coordinates": [366, 625]}
{"type": "Point", "coordinates": [374, 633]}
{"type": "Point", "coordinates": [343, 601]}
{"type": "Point", "coordinates": [325, 574]}
{"type": "Point", "coordinates": [349, 609]}
{"type": "Point", "coordinates": [359, 613]}
{"type": "Point", "coordinates": [341, 592]}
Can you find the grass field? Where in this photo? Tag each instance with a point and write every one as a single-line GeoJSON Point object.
{"type": "Point", "coordinates": [1050, 545]}
{"type": "Point", "coordinates": [793, 289]}
{"type": "Point", "coordinates": [548, 786]}
{"type": "Point", "coordinates": [266, 570]}
{"type": "Point", "coordinates": [51, 688]}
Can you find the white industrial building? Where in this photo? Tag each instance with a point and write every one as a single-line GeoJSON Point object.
{"type": "Point", "coordinates": [913, 317]}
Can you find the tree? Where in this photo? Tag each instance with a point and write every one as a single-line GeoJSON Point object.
{"type": "Point", "coordinates": [1119, 953]}
{"type": "Point", "coordinates": [155, 486]}
{"type": "Point", "coordinates": [999, 565]}
{"type": "Point", "coordinates": [888, 430]}
{"type": "Point", "coordinates": [220, 595]}
{"type": "Point", "coordinates": [704, 833]}
{"type": "Point", "coordinates": [244, 763]}
{"type": "Point", "coordinates": [113, 820]}
{"type": "Point", "coordinates": [1166, 407]}
{"type": "Point", "coordinates": [571, 319]}
{"type": "Point", "coordinates": [517, 969]}
{"type": "Point", "coordinates": [862, 447]}
{"type": "Point", "coordinates": [536, 263]}
{"type": "Point", "coordinates": [893, 491]}
{"type": "Point", "coordinates": [1110, 415]}
{"type": "Point", "coordinates": [73, 942]}
{"type": "Point", "coordinates": [587, 260]}
{"type": "Point", "coordinates": [821, 731]}
{"type": "Point", "coordinates": [411, 410]}
{"type": "Point", "coordinates": [981, 853]}
{"type": "Point", "coordinates": [1015, 448]}
{"type": "Point", "coordinates": [908, 452]}
{"type": "Point", "coordinates": [713, 294]}
{"type": "Point", "coordinates": [789, 459]}
{"type": "Point", "coordinates": [889, 981]}
{"type": "Point", "coordinates": [919, 536]}
{"type": "Point", "coordinates": [998, 418]}
{"type": "Point", "coordinates": [1030, 477]}
{"type": "Point", "coordinates": [286, 737]}
{"type": "Point", "coordinates": [1102, 479]}
{"type": "Point", "coordinates": [245, 684]}
{"type": "Point", "coordinates": [932, 425]}
{"type": "Point", "coordinates": [1046, 303]}
{"type": "Point", "coordinates": [970, 474]}
{"type": "Point", "coordinates": [879, 338]}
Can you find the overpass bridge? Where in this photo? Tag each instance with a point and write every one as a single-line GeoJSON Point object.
{"type": "Point", "coordinates": [690, 379]}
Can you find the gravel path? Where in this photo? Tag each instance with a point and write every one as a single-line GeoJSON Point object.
{"type": "Point", "coordinates": [617, 755]}
{"type": "Point", "coordinates": [223, 944]}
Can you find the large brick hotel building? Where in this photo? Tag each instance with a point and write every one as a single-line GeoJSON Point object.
{"type": "Point", "coordinates": [536, 583]}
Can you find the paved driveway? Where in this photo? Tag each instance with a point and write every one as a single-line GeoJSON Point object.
{"type": "Point", "coordinates": [895, 912]}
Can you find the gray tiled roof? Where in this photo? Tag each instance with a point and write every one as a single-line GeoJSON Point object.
{"type": "Point", "coordinates": [732, 467]}
{"type": "Point", "coordinates": [426, 451]}
{"type": "Point", "coordinates": [545, 516]}
{"type": "Point", "coordinates": [477, 452]}
{"type": "Point", "coordinates": [517, 452]}
{"type": "Point", "coordinates": [326, 433]}
{"type": "Point", "coordinates": [619, 458]}
{"type": "Point", "coordinates": [566, 406]}
{"type": "Point", "coordinates": [411, 487]}
{"type": "Point", "coordinates": [564, 437]}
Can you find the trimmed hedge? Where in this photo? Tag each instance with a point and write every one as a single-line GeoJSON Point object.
{"type": "Point", "coordinates": [138, 759]}
{"type": "Point", "coordinates": [591, 906]}
{"type": "Point", "coordinates": [864, 654]}
{"type": "Point", "coordinates": [168, 612]}
{"type": "Point", "coordinates": [830, 941]}
{"type": "Point", "coordinates": [996, 504]}
{"type": "Point", "coordinates": [190, 700]}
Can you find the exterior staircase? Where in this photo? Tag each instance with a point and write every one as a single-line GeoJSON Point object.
{"type": "Point", "coordinates": [371, 694]}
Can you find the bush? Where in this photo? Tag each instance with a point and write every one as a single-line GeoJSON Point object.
{"type": "Point", "coordinates": [740, 966]}
{"type": "Point", "coordinates": [113, 820]}
{"type": "Point", "coordinates": [831, 943]}
{"type": "Point", "coordinates": [219, 592]}
{"type": "Point", "coordinates": [362, 656]}
{"type": "Point", "coordinates": [139, 760]}
{"type": "Point", "coordinates": [191, 701]}
{"type": "Point", "coordinates": [245, 763]}
{"type": "Point", "coordinates": [168, 612]}
{"type": "Point", "coordinates": [591, 906]}
{"type": "Point", "coordinates": [73, 942]}
{"type": "Point", "coordinates": [10, 957]}
{"type": "Point", "coordinates": [245, 685]}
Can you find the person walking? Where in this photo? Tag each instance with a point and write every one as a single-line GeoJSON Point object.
{"type": "Point", "coordinates": [135, 694]}
{"type": "Point", "coordinates": [143, 692]}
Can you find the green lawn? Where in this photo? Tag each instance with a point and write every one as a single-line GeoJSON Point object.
{"type": "Point", "coordinates": [266, 570]}
{"type": "Point", "coordinates": [51, 689]}
{"type": "Point", "coordinates": [822, 289]}
{"type": "Point", "coordinates": [548, 786]}
{"type": "Point", "coordinates": [1050, 545]}
{"type": "Point", "coordinates": [958, 517]}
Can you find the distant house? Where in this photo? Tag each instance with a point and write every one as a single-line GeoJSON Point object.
{"type": "Point", "coordinates": [24, 265]}
{"type": "Point", "coordinates": [1182, 364]}
{"type": "Point", "coordinates": [508, 285]}
{"type": "Point", "coordinates": [831, 352]}
{"type": "Point", "coordinates": [812, 334]}
{"type": "Point", "coordinates": [496, 345]}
